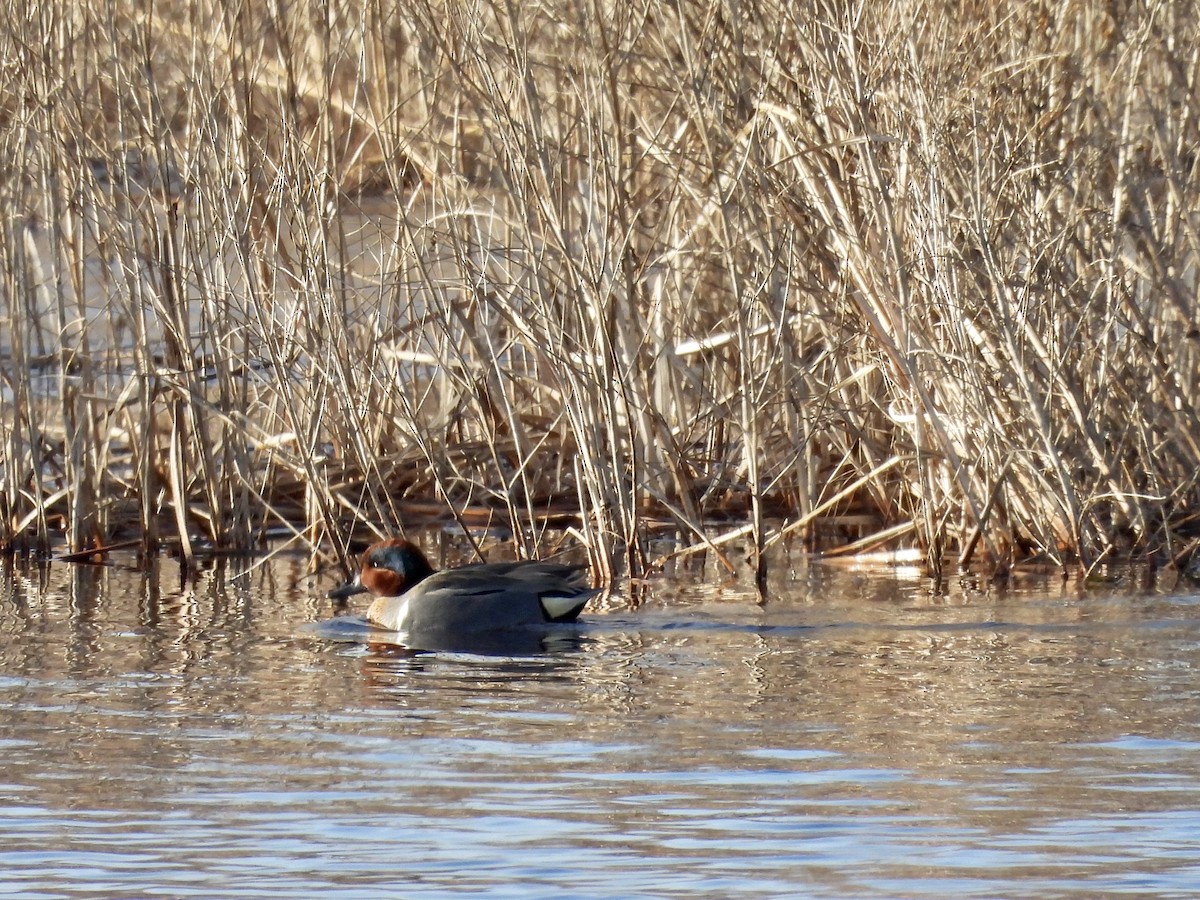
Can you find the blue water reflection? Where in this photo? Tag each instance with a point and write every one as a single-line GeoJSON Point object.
{"type": "Point", "coordinates": [854, 736]}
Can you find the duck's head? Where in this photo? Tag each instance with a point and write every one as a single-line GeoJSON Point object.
{"type": "Point", "coordinates": [389, 568]}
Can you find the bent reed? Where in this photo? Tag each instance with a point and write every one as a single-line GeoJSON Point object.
{"type": "Point", "coordinates": [866, 275]}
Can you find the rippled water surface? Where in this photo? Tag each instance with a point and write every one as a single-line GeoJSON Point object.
{"type": "Point", "coordinates": [856, 736]}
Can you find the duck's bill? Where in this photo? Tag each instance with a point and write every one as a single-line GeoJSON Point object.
{"type": "Point", "coordinates": [349, 589]}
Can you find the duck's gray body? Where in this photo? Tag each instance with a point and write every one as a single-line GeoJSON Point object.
{"type": "Point", "coordinates": [486, 597]}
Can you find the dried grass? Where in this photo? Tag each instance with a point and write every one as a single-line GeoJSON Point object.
{"type": "Point", "coordinates": [804, 268]}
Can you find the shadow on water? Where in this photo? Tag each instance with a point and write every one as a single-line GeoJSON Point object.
{"type": "Point", "coordinates": [509, 642]}
{"type": "Point", "coordinates": [857, 735]}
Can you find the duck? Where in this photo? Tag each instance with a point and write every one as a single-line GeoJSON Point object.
{"type": "Point", "coordinates": [411, 596]}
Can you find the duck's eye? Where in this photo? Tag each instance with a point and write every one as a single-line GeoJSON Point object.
{"type": "Point", "coordinates": [380, 561]}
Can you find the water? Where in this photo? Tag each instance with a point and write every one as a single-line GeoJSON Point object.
{"type": "Point", "coordinates": [859, 736]}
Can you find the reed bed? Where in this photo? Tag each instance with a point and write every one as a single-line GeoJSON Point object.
{"type": "Point", "coordinates": [858, 275]}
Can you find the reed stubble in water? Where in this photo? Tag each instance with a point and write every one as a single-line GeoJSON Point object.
{"type": "Point", "coordinates": [856, 275]}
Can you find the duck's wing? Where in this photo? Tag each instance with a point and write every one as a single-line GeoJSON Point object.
{"type": "Point", "coordinates": [531, 590]}
{"type": "Point", "coordinates": [561, 590]}
{"type": "Point", "coordinates": [533, 575]}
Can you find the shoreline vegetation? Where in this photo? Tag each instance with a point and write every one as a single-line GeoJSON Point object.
{"type": "Point", "coordinates": [860, 276]}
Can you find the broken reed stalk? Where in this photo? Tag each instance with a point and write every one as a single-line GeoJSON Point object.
{"type": "Point", "coordinates": [790, 268]}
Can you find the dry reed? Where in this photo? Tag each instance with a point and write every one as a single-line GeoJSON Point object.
{"type": "Point", "coordinates": [860, 273]}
